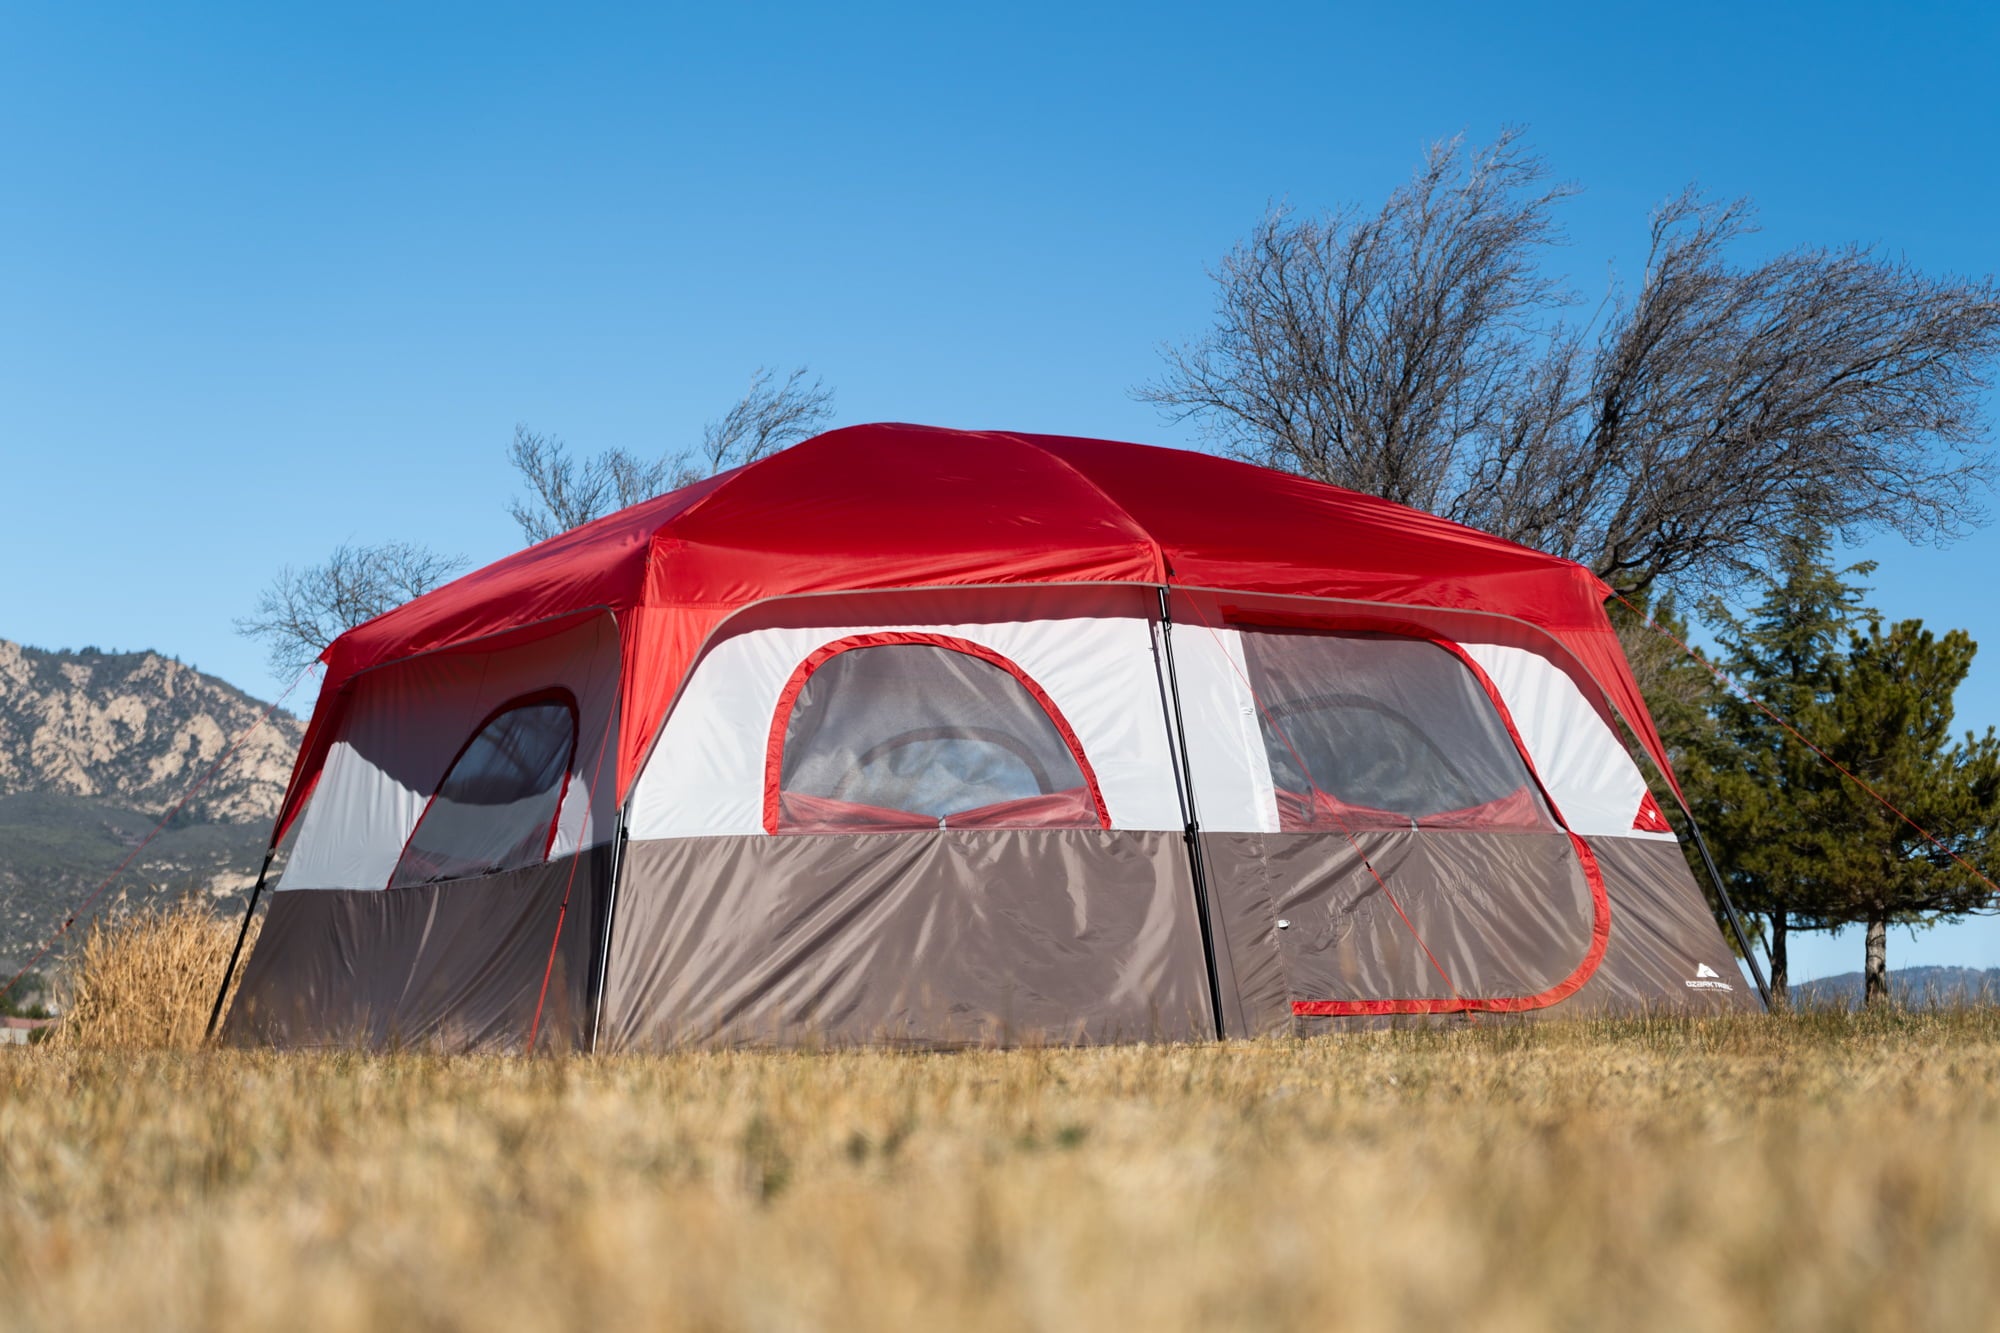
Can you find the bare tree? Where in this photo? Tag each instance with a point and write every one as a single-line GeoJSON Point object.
{"type": "Point", "coordinates": [767, 418]}
{"type": "Point", "coordinates": [1421, 353]}
{"type": "Point", "coordinates": [565, 492]}
{"type": "Point", "coordinates": [304, 610]}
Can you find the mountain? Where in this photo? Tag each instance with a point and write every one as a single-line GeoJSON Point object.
{"type": "Point", "coordinates": [95, 748]}
{"type": "Point", "coordinates": [1917, 987]}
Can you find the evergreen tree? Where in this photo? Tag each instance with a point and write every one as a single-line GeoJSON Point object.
{"type": "Point", "coordinates": [1800, 844]}
{"type": "Point", "coordinates": [1891, 720]}
{"type": "Point", "coordinates": [1753, 786]}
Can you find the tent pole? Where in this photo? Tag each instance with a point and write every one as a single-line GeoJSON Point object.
{"type": "Point", "coordinates": [1729, 909]}
{"type": "Point", "coordinates": [604, 941]}
{"type": "Point", "coordinates": [1191, 825]}
{"type": "Point", "coordinates": [229, 973]}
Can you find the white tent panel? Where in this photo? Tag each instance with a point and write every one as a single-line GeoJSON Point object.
{"type": "Point", "coordinates": [705, 776]}
{"type": "Point", "coordinates": [409, 721]}
{"type": "Point", "coordinates": [1232, 774]}
{"type": "Point", "coordinates": [1579, 757]}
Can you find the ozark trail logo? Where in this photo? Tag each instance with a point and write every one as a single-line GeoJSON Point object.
{"type": "Point", "coordinates": [1706, 978]}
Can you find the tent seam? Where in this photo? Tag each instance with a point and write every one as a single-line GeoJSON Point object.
{"type": "Point", "coordinates": [1159, 551]}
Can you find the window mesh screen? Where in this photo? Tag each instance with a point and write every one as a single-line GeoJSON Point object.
{"type": "Point", "coordinates": [1377, 731]}
{"type": "Point", "coordinates": [496, 809]}
{"type": "Point", "coordinates": [922, 736]}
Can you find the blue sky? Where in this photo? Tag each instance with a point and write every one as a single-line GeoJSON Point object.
{"type": "Point", "coordinates": [274, 277]}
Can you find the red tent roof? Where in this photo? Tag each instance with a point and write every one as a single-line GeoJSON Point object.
{"type": "Point", "coordinates": [900, 506]}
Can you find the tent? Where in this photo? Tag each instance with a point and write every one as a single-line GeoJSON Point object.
{"type": "Point", "coordinates": [926, 736]}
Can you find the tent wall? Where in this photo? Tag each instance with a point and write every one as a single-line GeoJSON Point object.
{"type": "Point", "coordinates": [464, 965]}
{"type": "Point", "coordinates": [726, 932]}
{"type": "Point", "coordinates": [934, 938]}
{"type": "Point", "coordinates": [1505, 917]}
{"type": "Point", "coordinates": [406, 724]}
{"type": "Point", "coordinates": [719, 929]}
{"type": "Point", "coordinates": [707, 774]}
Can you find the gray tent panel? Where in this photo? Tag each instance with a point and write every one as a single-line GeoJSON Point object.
{"type": "Point", "coordinates": [1663, 935]}
{"type": "Point", "coordinates": [457, 965]}
{"type": "Point", "coordinates": [943, 937]}
{"type": "Point", "coordinates": [1504, 915]}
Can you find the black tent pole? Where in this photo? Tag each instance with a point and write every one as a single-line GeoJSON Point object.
{"type": "Point", "coordinates": [1191, 827]}
{"type": "Point", "coordinates": [1729, 909]}
{"type": "Point", "coordinates": [229, 973]}
{"type": "Point", "coordinates": [618, 838]}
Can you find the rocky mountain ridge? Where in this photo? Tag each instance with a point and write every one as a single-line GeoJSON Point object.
{"type": "Point", "coordinates": [136, 729]}
{"type": "Point", "coordinates": [94, 748]}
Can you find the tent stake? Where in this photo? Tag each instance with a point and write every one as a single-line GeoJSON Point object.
{"type": "Point", "coordinates": [1191, 827]}
{"type": "Point", "coordinates": [1729, 909]}
{"type": "Point", "coordinates": [229, 973]}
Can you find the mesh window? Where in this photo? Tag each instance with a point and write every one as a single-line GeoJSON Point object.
{"type": "Point", "coordinates": [496, 809]}
{"type": "Point", "coordinates": [907, 736]}
{"type": "Point", "coordinates": [1377, 731]}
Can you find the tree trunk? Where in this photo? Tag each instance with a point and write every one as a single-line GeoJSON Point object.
{"type": "Point", "coordinates": [1876, 976]}
{"type": "Point", "coordinates": [1781, 990]}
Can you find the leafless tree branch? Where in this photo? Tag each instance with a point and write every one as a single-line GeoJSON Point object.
{"type": "Point", "coordinates": [768, 417]}
{"type": "Point", "coordinates": [1420, 353]}
{"type": "Point", "coordinates": [566, 492]}
{"type": "Point", "coordinates": [304, 610]}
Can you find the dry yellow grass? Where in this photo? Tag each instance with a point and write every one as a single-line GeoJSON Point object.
{"type": "Point", "coordinates": [1814, 1172]}
{"type": "Point", "coordinates": [146, 979]}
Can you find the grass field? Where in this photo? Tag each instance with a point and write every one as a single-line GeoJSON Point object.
{"type": "Point", "coordinates": [1814, 1172]}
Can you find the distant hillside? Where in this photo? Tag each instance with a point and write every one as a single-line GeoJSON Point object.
{"type": "Point", "coordinates": [94, 748]}
{"type": "Point", "coordinates": [1914, 986]}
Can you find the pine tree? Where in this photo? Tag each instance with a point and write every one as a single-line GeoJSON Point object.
{"type": "Point", "coordinates": [1753, 786]}
{"type": "Point", "coordinates": [1891, 720]}
{"type": "Point", "coordinates": [1800, 843]}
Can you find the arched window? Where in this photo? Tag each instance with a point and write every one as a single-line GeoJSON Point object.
{"type": "Point", "coordinates": [1380, 731]}
{"type": "Point", "coordinates": [907, 731]}
{"type": "Point", "coordinates": [497, 807]}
